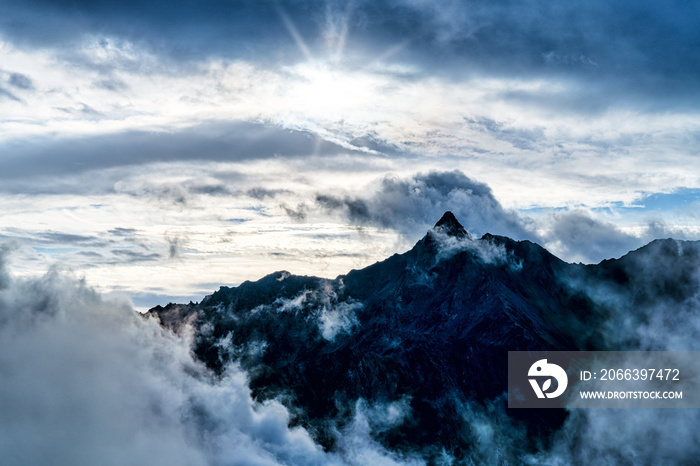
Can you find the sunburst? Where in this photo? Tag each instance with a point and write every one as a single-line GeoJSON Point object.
{"type": "Point", "coordinates": [327, 86]}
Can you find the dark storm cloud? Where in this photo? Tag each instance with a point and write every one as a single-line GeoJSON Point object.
{"type": "Point", "coordinates": [642, 51]}
{"type": "Point", "coordinates": [235, 141]}
{"type": "Point", "coordinates": [413, 205]}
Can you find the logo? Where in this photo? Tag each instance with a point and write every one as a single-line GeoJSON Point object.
{"type": "Point", "coordinates": [543, 369]}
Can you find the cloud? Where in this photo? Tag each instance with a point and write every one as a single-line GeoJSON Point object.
{"type": "Point", "coordinates": [81, 109]}
{"type": "Point", "coordinates": [523, 139]}
{"type": "Point", "coordinates": [577, 236]}
{"type": "Point", "coordinates": [129, 255]}
{"type": "Point", "coordinates": [221, 141]}
{"type": "Point", "coordinates": [53, 237]}
{"type": "Point", "coordinates": [333, 316]}
{"type": "Point", "coordinates": [121, 231]}
{"type": "Point", "coordinates": [188, 32]}
{"type": "Point", "coordinates": [650, 300]}
{"type": "Point", "coordinates": [261, 193]}
{"type": "Point", "coordinates": [20, 81]}
{"type": "Point", "coordinates": [338, 318]}
{"type": "Point", "coordinates": [297, 213]}
{"type": "Point", "coordinates": [413, 205]}
{"type": "Point", "coordinates": [651, 48]}
{"type": "Point", "coordinates": [641, 436]}
{"type": "Point", "coordinates": [112, 84]}
{"type": "Point", "coordinates": [485, 249]}
{"type": "Point", "coordinates": [356, 438]}
{"type": "Point", "coordinates": [4, 93]}
{"type": "Point", "coordinates": [86, 380]}
{"type": "Point", "coordinates": [17, 81]}
{"type": "Point", "coordinates": [5, 250]}
{"type": "Point", "coordinates": [539, 35]}
{"type": "Point", "coordinates": [175, 245]}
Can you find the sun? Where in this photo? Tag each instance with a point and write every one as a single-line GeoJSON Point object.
{"type": "Point", "coordinates": [326, 86]}
{"type": "Point", "coordinates": [328, 91]}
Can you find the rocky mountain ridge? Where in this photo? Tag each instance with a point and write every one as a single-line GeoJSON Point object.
{"type": "Point", "coordinates": [427, 330]}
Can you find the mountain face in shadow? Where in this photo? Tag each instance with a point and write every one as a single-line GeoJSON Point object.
{"type": "Point", "coordinates": [429, 331]}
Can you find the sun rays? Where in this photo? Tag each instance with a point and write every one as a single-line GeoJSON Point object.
{"type": "Point", "coordinates": [327, 86]}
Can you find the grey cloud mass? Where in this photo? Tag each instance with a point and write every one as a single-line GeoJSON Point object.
{"type": "Point", "coordinates": [615, 47]}
{"type": "Point", "coordinates": [576, 236]}
{"type": "Point", "coordinates": [221, 141]}
{"type": "Point", "coordinates": [581, 237]}
{"type": "Point", "coordinates": [20, 81]}
{"type": "Point", "coordinates": [410, 205]}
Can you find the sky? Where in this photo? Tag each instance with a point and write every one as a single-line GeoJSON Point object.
{"type": "Point", "coordinates": [162, 149]}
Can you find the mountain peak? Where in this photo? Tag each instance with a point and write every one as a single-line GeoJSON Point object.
{"type": "Point", "coordinates": [449, 224]}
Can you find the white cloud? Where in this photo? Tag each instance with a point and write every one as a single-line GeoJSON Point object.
{"type": "Point", "coordinates": [86, 380]}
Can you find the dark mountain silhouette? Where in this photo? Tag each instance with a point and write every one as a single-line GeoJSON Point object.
{"type": "Point", "coordinates": [430, 327]}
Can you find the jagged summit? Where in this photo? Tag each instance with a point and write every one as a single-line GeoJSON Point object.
{"type": "Point", "coordinates": [450, 225]}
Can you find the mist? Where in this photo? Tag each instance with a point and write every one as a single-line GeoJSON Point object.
{"type": "Point", "coordinates": [87, 380]}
